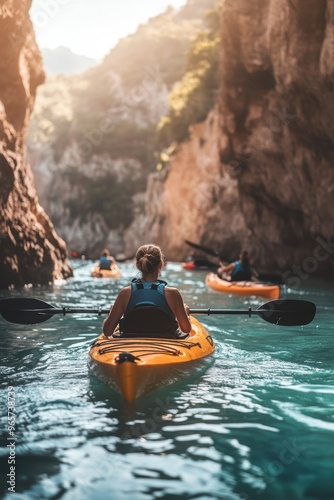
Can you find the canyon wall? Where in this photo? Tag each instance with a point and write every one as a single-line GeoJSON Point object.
{"type": "Point", "coordinates": [30, 250]}
{"type": "Point", "coordinates": [258, 173]}
{"type": "Point", "coordinates": [93, 137]}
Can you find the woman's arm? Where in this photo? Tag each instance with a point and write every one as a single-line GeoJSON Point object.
{"type": "Point", "coordinates": [116, 312]}
{"type": "Point", "coordinates": [178, 307]}
{"type": "Point", "coordinates": [225, 269]}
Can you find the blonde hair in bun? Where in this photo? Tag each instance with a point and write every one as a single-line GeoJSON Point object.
{"type": "Point", "coordinates": [149, 258]}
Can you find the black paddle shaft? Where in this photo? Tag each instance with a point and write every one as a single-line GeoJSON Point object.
{"type": "Point", "coordinates": [277, 312]}
{"type": "Point", "coordinates": [25, 311]}
{"type": "Point", "coordinates": [204, 249]}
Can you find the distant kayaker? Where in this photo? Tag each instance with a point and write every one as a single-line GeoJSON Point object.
{"type": "Point", "coordinates": [240, 270]}
{"type": "Point", "coordinates": [166, 314]}
{"type": "Point", "coordinates": [106, 260]}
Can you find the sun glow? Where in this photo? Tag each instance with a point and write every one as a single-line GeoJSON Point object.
{"type": "Point", "coordinates": [91, 27]}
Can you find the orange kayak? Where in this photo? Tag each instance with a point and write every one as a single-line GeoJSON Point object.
{"type": "Point", "coordinates": [106, 273]}
{"type": "Point", "coordinates": [136, 366]}
{"type": "Point", "coordinates": [242, 287]}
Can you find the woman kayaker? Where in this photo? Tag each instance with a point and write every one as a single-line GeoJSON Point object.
{"type": "Point", "coordinates": [106, 260]}
{"type": "Point", "coordinates": [150, 292]}
{"type": "Point", "coordinates": [240, 270]}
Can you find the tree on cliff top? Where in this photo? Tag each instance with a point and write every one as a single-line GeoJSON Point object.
{"type": "Point", "coordinates": [194, 96]}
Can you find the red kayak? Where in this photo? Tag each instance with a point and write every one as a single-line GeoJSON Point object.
{"type": "Point", "coordinates": [198, 264]}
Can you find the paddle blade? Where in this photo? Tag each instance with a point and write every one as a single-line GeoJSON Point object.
{"type": "Point", "coordinates": [287, 312]}
{"type": "Point", "coordinates": [204, 264]}
{"type": "Point", "coordinates": [207, 250]}
{"type": "Point", "coordinates": [21, 311]}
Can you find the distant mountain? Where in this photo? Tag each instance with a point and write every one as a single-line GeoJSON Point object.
{"type": "Point", "coordinates": [63, 61]}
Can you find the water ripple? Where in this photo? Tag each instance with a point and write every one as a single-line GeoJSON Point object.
{"type": "Point", "coordinates": [259, 421]}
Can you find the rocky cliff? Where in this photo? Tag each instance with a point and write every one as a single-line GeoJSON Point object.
{"type": "Point", "coordinates": [93, 137]}
{"type": "Point", "coordinates": [30, 250]}
{"type": "Point", "coordinates": [259, 171]}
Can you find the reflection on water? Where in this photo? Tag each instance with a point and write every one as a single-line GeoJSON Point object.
{"type": "Point", "coordinates": [258, 423]}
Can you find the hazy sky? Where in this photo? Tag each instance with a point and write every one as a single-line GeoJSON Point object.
{"type": "Point", "coordinates": [91, 27]}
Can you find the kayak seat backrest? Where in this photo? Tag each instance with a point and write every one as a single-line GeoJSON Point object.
{"type": "Point", "coordinates": [148, 321]}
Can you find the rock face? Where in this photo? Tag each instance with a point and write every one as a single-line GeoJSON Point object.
{"type": "Point", "coordinates": [93, 137]}
{"type": "Point", "coordinates": [30, 250]}
{"type": "Point", "coordinates": [259, 172]}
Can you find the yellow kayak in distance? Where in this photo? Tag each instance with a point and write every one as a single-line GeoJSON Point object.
{"type": "Point", "coordinates": [135, 366]}
{"type": "Point", "coordinates": [242, 287]}
{"type": "Point", "coordinates": [113, 273]}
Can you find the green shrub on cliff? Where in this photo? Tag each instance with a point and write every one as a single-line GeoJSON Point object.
{"type": "Point", "coordinates": [194, 96]}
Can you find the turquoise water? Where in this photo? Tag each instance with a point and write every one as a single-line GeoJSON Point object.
{"type": "Point", "coordinates": [257, 424]}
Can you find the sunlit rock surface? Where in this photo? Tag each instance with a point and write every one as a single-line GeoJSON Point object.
{"type": "Point", "coordinates": [259, 172]}
{"type": "Point", "coordinates": [30, 250]}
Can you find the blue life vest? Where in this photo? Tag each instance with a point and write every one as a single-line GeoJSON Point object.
{"type": "Point", "coordinates": [148, 313]}
{"type": "Point", "coordinates": [241, 273]}
{"type": "Point", "coordinates": [105, 262]}
{"type": "Point", "coordinates": [148, 293]}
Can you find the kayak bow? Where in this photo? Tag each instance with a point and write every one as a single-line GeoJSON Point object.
{"type": "Point", "coordinates": [136, 366]}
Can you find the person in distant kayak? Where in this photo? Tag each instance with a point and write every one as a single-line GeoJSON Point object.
{"type": "Point", "coordinates": [240, 270]}
{"type": "Point", "coordinates": [148, 307]}
{"type": "Point", "coordinates": [106, 260]}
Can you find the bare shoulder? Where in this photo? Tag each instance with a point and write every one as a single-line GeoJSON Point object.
{"type": "Point", "coordinates": [172, 293]}
{"type": "Point", "coordinates": [124, 294]}
{"type": "Point", "coordinates": [171, 289]}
